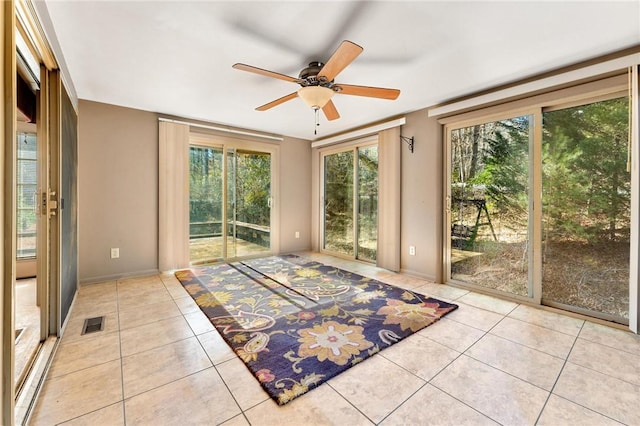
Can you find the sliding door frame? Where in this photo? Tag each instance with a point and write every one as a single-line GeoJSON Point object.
{"type": "Point", "coordinates": [354, 147]}
{"type": "Point", "coordinates": [227, 143]}
{"type": "Point", "coordinates": [7, 215]}
{"type": "Point", "coordinates": [533, 195]}
{"type": "Point", "coordinates": [599, 89]}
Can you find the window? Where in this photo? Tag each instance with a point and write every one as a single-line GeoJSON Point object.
{"type": "Point", "coordinates": [569, 153]}
{"type": "Point", "coordinates": [27, 168]}
{"type": "Point", "coordinates": [350, 194]}
{"type": "Point", "coordinates": [586, 206]}
{"type": "Point", "coordinates": [239, 179]}
{"type": "Point", "coordinates": [489, 204]}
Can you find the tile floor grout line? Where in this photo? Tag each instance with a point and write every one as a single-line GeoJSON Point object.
{"type": "Point", "coordinates": [426, 383]}
{"type": "Point", "coordinates": [328, 382]}
{"type": "Point", "coordinates": [409, 371]}
{"type": "Point", "coordinates": [267, 396]}
{"type": "Point", "coordinates": [547, 328]}
{"type": "Point", "coordinates": [583, 406]}
{"type": "Point", "coordinates": [462, 402]}
{"type": "Point", "coordinates": [213, 365]}
{"type": "Point", "coordinates": [124, 406]}
{"type": "Point", "coordinates": [193, 373]}
{"type": "Point", "coordinates": [527, 346]}
{"type": "Point", "coordinates": [501, 370]}
{"type": "Point", "coordinates": [175, 380]}
{"type": "Point", "coordinates": [559, 374]}
{"type": "Point", "coordinates": [604, 374]}
{"type": "Point", "coordinates": [86, 413]}
{"type": "Point", "coordinates": [465, 351]}
{"type": "Point", "coordinates": [516, 377]}
{"type": "Point", "coordinates": [507, 373]}
{"type": "Point", "coordinates": [429, 382]}
{"type": "Point", "coordinates": [608, 346]}
{"type": "Point", "coordinates": [231, 393]}
{"type": "Point", "coordinates": [519, 344]}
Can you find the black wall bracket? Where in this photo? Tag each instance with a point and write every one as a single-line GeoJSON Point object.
{"type": "Point", "coordinates": [409, 141]}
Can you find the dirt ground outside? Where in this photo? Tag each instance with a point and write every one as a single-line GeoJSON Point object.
{"type": "Point", "coordinates": [590, 276]}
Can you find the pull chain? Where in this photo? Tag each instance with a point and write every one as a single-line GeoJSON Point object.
{"type": "Point", "coordinates": [317, 112]}
{"type": "Point", "coordinates": [315, 129]}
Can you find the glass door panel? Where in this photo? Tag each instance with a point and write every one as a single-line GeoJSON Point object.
{"type": "Point", "coordinates": [338, 203]}
{"type": "Point", "coordinates": [248, 203]}
{"type": "Point", "coordinates": [205, 204]}
{"type": "Point", "coordinates": [489, 193]}
{"type": "Point", "coordinates": [586, 208]}
{"type": "Point", "coordinates": [27, 172]}
{"type": "Point", "coordinates": [27, 333]}
{"type": "Point", "coordinates": [367, 203]}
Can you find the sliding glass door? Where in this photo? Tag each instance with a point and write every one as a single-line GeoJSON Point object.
{"type": "Point", "coordinates": [248, 203]}
{"type": "Point", "coordinates": [573, 160]}
{"type": "Point", "coordinates": [350, 197]}
{"type": "Point", "coordinates": [206, 195]}
{"type": "Point", "coordinates": [586, 201]}
{"type": "Point", "coordinates": [489, 193]}
{"type": "Point", "coordinates": [367, 223]}
{"type": "Point", "coordinates": [229, 203]}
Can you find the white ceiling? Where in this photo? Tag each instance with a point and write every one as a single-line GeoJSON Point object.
{"type": "Point", "coordinates": [176, 57]}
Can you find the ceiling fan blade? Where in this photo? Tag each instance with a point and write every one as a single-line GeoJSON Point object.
{"type": "Point", "coordinates": [330, 111]}
{"type": "Point", "coordinates": [343, 56]}
{"type": "Point", "coordinates": [277, 102]}
{"type": "Point", "coordinates": [266, 73]}
{"type": "Point", "coordinates": [370, 92]}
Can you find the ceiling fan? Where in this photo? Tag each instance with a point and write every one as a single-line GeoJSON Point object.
{"type": "Point", "coordinates": [317, 81]}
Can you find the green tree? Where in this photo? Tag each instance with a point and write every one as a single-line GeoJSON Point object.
{"type": "Point", "coordinates": [586, 183]}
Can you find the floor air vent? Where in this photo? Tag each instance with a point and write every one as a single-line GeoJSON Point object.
{"type": "Point", "coordinates": [91, 325]}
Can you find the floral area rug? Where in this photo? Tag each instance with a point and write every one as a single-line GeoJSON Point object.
{"type": "Point", "coordinates": [297, 323]}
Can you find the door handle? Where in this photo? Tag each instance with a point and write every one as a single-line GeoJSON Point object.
{"type": "Point", "coordinates": [49, 203]}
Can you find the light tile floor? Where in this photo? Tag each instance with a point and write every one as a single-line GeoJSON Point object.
{"type": "Point", "coordinates": [160, 362]}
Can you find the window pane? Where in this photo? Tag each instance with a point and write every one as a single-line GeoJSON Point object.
{"type": "Point", "coordinates": [586, 207]}
{"type": "Point", "coordinates": [205, 203]}
{"type": "Point", "coordinates": [489, 204]}
{"type": "Point", "coordinates": [368, 203]}
{"type": "Point", "coordinates": [248, 209]}
{"type": "Point", "coordinates": [338, 203]}
{"type": "Point", "coordinates": [27, 179]}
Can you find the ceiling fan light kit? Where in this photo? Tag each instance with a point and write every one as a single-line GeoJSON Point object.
{"type": "Point", "coordinates": [316, 97]}
{"type": "Point", "coordinates": [317, 82]}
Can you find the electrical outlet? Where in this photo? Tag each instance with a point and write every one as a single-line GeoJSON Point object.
{"type": "Point", "coordinates": [297, 234]}
{"type": "Point", "coordinates": [115, 253]}
{"type": "Point", "coordinates": [412, 250]}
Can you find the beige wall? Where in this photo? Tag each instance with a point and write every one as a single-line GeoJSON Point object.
{"type": "Point", "coordinates": [295, 195]}
{"type": "Point", "coordinates": [421, 212]}
{"type": "Point", "coordinates": [118, 192]}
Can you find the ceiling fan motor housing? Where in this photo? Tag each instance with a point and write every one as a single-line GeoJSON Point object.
{"type": "Point", "coordinates": [309, 76]}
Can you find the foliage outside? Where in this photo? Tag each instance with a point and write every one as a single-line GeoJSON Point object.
{"type": "Point", "coordinates": [248, 193]}
{"type": "Point", "coordinates": [586, 205]}
{"type": "Point", "coordinates": [339, 223]}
